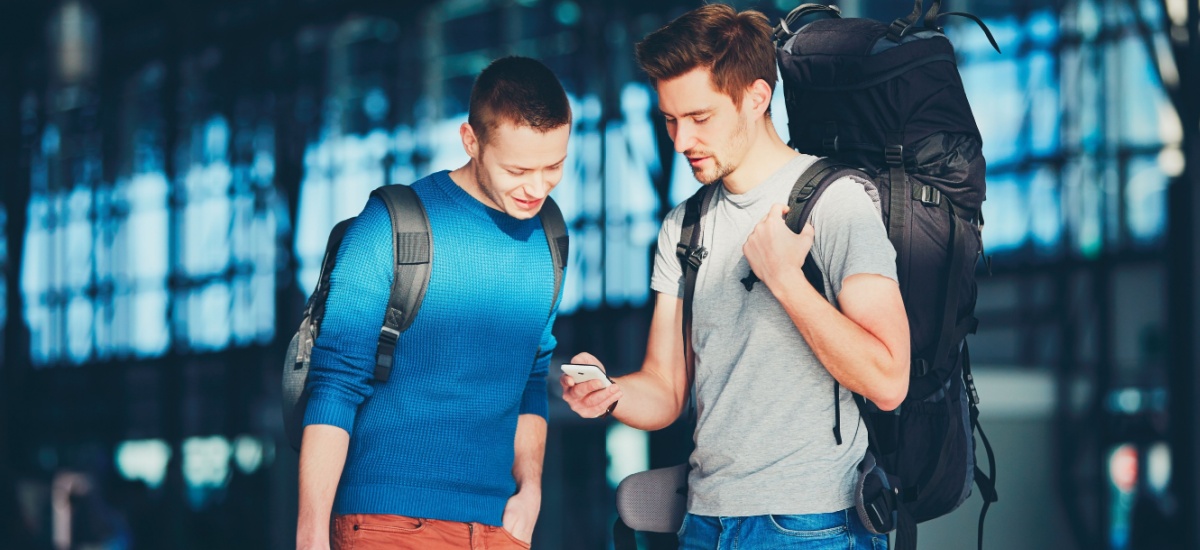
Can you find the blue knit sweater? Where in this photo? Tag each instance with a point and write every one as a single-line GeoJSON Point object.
{"type": "Point", "coordinates": [436, 440]}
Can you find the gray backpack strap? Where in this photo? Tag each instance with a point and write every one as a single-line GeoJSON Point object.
{"type": "Point", "coordinates": [556, 236]}
{"type": "Point", "coordinates": [413, 249]}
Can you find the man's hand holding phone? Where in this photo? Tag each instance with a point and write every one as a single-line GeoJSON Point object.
{"type": "Point", "coordinates": [586, 388]}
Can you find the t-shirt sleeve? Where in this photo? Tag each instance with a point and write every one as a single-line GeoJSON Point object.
{"type": "Point", "coordinates": [850, 237]}
{"type": "Point", "coordinates": [668, 274]}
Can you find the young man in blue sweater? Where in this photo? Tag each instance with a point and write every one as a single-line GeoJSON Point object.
{"type": "Point", "coordinates": [448, 452]}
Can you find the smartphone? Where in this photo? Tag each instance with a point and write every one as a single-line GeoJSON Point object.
{"type": "Point", "coordinates": [583, 373]}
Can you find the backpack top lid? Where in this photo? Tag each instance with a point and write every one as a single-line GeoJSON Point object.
{"type": "Point", "coordinates": [848, 85]}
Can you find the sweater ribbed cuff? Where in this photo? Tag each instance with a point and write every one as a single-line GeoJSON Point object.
{"type": "Point", "coordinates": [324, 410]}
{"type": "Point", "coordinates": [534, 401]}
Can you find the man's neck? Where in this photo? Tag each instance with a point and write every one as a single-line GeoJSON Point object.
{"type": "Point", "coordinates": [766, 154]}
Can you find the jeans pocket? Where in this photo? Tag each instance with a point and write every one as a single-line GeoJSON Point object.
{"type": "Point", "coordinates": [682, 526]}
{"type": "Point", "coordinates": [811, 526]}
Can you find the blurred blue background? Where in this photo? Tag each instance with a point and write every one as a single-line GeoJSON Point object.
{"type": "Point", "coordinates": [171, 170]}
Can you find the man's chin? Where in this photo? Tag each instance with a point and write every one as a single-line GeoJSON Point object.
{"type": "Point", "coordinates": [523, 213]}
{"type": "Point", "coordinates": [704, 177]}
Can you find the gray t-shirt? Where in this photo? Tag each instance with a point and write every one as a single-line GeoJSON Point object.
{"type": "Point", "coordinates": [765, 408]}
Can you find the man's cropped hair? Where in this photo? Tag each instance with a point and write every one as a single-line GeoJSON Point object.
{"type": "Point", "coordinates": [520, 91]}
{"type": "Point", "coordinates": [736, 47]}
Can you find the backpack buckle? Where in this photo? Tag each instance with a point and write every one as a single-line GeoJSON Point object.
{"type": "Point", "coordinates": [830, 145]}
{"type": "Point", "coordinates": [928, 194]}
{"type": "Point", "coordinates": [696, 256]}
{"type": "Point", "coordinates": [894, 155]}
{"type": "Point", "coordinates": [693, 256]}
{"type": "Point", "coordinates": [920, 367]}
{"type": "Point", "coordinates": [970, 380]}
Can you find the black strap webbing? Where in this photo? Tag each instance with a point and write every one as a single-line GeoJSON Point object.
{"type": "Point", "coordinates": [808, 188]}
{"type": "Point", "coordinates": [986, 483]}
{"type": "Point", "coordinates": [979, 22]}
{"type": "Point", "coordinates": [837, 412]}
{"type": "Point", "coordinates": [947, 341]}
{"type": "Point", "coordinates": [900, 27]}
{"type": "Point", "coordinates": [691, 254]}
{"type": "Point", "coordinates": [413, 255]}
{"type": "Point", "coordinates": [906, 528]}
{"type": "Point", "coordinates": [900, 201]}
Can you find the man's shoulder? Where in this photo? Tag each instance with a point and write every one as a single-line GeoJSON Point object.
{"type": "Point", "coordinates": [846, 197]}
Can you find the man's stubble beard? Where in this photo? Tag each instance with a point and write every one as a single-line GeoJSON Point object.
{"type": "Point", "coordinates": [720, 169]}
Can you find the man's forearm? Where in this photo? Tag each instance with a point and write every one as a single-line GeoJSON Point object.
{"type": "Point", "coordinates": [322, 457]}
{"type": "Point", "coordinates": [529, 451]}
{"type": "Point", "coordinates": [855, 357]}
{"type": "Point", "coordinates": [649, 402]}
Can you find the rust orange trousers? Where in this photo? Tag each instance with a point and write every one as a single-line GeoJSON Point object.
{"type": "Point", "coordinates": [380, 531]}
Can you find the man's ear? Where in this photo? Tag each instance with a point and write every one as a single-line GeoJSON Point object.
{"type": "Point", "coordinates": [758, 97]}
{"type": "Point", "coordinates": [469, 140]}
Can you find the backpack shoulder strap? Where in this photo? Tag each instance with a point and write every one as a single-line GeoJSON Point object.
{"type": "Point", "coordinates": [413, 250]}
{"type": "Point", "coordinates": [691, 254]}
{"type": "Point", "coordinates": [556, 236]}
{"type": "Point", "coordinates": [808, 188]}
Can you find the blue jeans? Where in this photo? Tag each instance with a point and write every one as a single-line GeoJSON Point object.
{"type": "Point", "coordinates": [836, 530]}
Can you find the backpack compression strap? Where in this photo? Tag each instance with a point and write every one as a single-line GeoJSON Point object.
{"type": "Point", "coordinates": [413, 249]}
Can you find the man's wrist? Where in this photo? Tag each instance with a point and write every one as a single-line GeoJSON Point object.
{"type": "Point", "coordinates": [611, 408]}
{"type": "Point", "coordinates": [529, 492]}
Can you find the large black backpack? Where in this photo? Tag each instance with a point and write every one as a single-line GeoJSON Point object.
{"type": "Point", "coordinates": [886, 103]}
{"type": "Point", "coordinates": [413, 249]}
{"type": "Point", "coordinates": [891, 102]}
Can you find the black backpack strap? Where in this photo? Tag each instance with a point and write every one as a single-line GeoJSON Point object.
{"type": "Point", "coordinates": [556, 236]}
{"type": "Point", "coordinates": [802, 15]}
{"type": "Point", "coordinates": [691, 254]}
{"type": "Point", "coordinates": [985, 482]}
{"type": "Point", "coordinates": [801, 201]}
{"type": "Point", "coordinates": [932, 23]}
{"type": "Point", "coordinates": [952, 330]}
{"type": "Point", "coordinates": [900, 27]}
{"type": "Point", "coordinates": [808, 188]}
{"type": "Point", "coordinates": [413, 249]}
{"type": "Point", "coordinates": [906, 528]}
{"type": "Point", "coordinates": [901, 191]}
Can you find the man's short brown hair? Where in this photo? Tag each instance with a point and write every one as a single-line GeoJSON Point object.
{"type": "Point", "coordinates": [517, 90]}
{"type": "Point", "coordinates": [735, 47]}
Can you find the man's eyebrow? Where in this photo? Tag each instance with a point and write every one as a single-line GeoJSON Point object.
{"type": "Point", "coordinates": [518, 167]}
{"type": "Point", "coordinates": [696, 112]}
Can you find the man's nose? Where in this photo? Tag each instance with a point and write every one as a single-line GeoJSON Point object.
{"type": "Point", "coordinates": [685, 137]}
{"type": "Point", "coordinates": [538, 187]}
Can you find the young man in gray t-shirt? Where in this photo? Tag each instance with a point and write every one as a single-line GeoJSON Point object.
{"type": "Point", "coordinates": [767, 471]}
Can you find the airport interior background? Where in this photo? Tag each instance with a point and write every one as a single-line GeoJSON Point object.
{"type": "Point", "coordinates": [171, 169]}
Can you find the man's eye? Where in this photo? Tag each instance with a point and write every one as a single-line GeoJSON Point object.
{"type": "Point", "coordinates": [701, 120]}
{"type": "Point", "coordinates": [517, 172]}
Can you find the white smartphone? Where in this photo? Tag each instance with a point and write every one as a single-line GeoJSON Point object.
{"type": "Point", "coordinates": [583, 373]}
